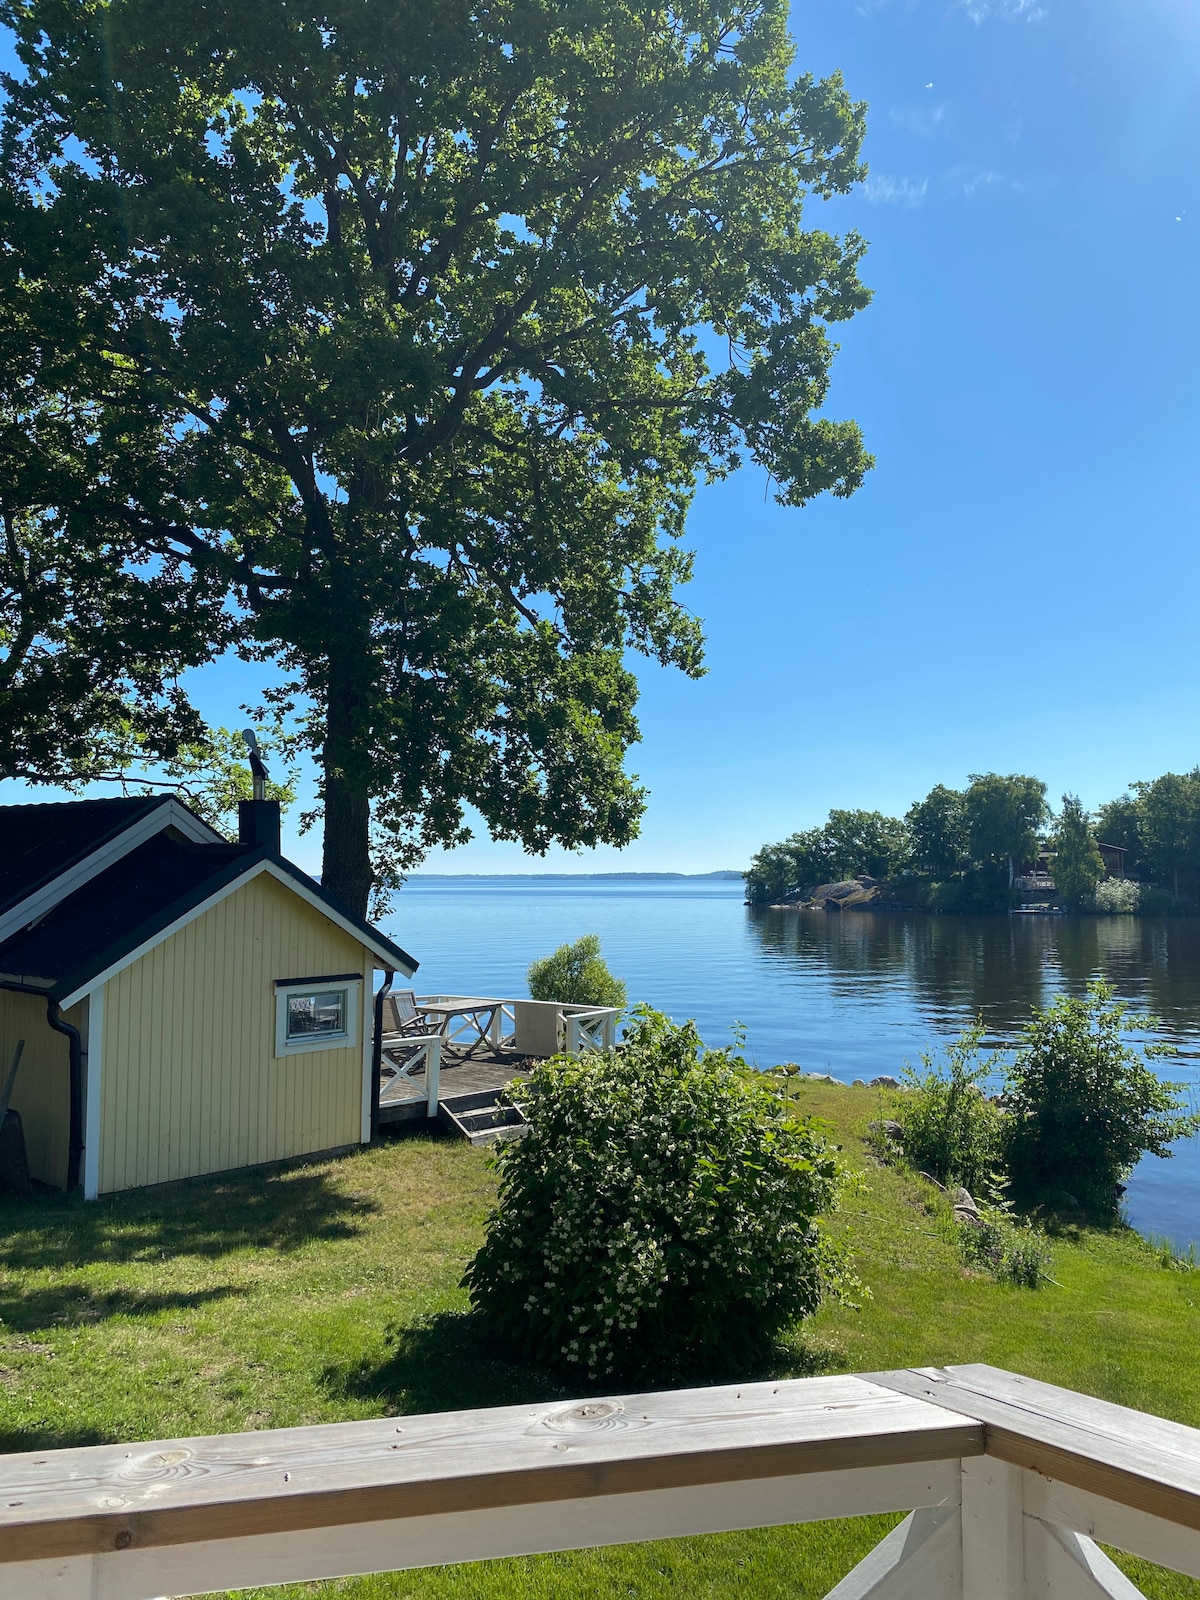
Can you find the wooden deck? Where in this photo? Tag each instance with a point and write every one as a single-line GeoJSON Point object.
{"type": "Point", "coordinates": [464, 1077]}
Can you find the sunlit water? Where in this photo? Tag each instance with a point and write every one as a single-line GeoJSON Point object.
{"type": "Point", "coordinates": [856, 994]}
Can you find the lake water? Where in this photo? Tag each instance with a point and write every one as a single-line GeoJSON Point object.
{"type": "Point", "coordinates": [855, 995]}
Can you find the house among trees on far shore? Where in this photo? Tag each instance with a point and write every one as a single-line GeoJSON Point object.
{"type": "Point", "coordinates": [187, 1004]}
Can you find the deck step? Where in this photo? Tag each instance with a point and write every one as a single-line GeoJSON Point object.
{"type": "Point", "coordinates": [483, 1122]}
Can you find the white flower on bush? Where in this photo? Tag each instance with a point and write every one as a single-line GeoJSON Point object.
{"type": "Point", "coordinates": [1118, 896]}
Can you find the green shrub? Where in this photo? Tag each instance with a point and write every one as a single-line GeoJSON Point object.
{"type": "Point", "coordinates": [949, 1128]}
{"type": "Point", "coordinates": [657, 1222]}
{"type": "Point", "coordinates": [946, 896]}
{"type": "Point", "coordinates": [1013, 1253]}
{"type": "Point", "coordinates": [1083, 1104]}
{"type": "Point", "coordinates": [1155, 901]}
{"type": "Point", "coordinates": [577, 975]}
{"type": "Point", "coordinates": [1117, 897]}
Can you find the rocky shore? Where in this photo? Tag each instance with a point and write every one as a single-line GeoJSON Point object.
{"type": "Point", "coordinates": [851, 894]}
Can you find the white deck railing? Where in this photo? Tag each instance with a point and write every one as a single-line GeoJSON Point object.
{"type": "Point", "coordinates": [1009, 1482]}
{"type": "Point", "coordinates": [530, 1027]}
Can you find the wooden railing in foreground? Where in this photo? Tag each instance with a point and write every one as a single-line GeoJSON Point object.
{"type": "Point", "coordinates": [1008, 1480]}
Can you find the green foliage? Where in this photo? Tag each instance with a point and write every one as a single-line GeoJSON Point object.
{"type": "Point", "coordinates": [1083, 1104]}
{"type": "Point", "coordinates": [1168, 818]}
{"type": "Point", "coordinates": [1155, 901]}
{"type": "Point", "coordinates": [1078, 865]}
{"type": "Point", "coordinates": [577, 974]}
{"type": "Point", "coordinates": [214, 775]}
{"type": "Point", "coordinates": [946, 896]}
{"type": "Point", "coordinates": [90, 644]}
{"type": "Point", "coordinates": [658, 1221]}
{"type": "Point", "coordinates": [411, 330]}
{"type": "Point", "coordinates": [1117, 897]}
{"type": "Point", "coordinates": [864, 842]}
{"type": "Point", "coordinates": [849, 843]}
{"type": "Point", "coordinates": [1015, 1253]}
{"type": "Point", "coordinates": [949, 1128]}
{"type": "Point", "coordinates": [1002, 818]}
{"type": "Point", "coordinates": [938, 831]}
{"type": "Point", "coordinates": [1118, 823]}
{"type": "Point", "coordinates": [779, 869]}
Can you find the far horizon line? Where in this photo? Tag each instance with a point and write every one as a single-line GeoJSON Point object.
{"type": "Point", "coordinates": [719, 872]}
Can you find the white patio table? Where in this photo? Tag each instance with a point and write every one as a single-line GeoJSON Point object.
{"type": "Point", "coordinates": [467, 1021]}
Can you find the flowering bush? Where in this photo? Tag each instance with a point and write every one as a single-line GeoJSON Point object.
{"type": "Point", "coordinates": [657, 1221]}
{"type": "Point", "coordinates": [1117, 896]}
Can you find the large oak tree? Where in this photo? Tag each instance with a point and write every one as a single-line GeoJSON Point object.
{"type": "Point", "coordinates": [412, 327]}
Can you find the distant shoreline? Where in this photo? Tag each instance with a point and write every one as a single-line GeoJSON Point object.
{"type": "Point", "coordinates": [723, 876]}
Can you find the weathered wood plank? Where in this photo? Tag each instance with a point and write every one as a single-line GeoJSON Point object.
{"type": "Point", "coordinates": [314, 1553]}
{"type": "Point", "coordinates": [1143, 1462]}
{"type": "Point", "coordinates": [114, 1497]}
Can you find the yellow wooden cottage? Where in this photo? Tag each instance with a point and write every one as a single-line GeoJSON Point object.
{"type": "Point", "coordinates": [188, 1005]}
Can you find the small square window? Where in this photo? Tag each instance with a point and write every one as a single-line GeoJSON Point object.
{"type": "Point", "coordinates": [322, 1012]}
{"type": "Point", "coordinates": [317, 1014]}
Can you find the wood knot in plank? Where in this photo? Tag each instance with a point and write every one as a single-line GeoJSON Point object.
{"type": "Point", "coordinates": [589, 1416]}
{"type": "Point", "coordinates": [154, 1468]}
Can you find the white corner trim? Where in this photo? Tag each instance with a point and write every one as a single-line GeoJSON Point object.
{"type": "Point", "coordinates": [91, 1109]}
{"type": "Point", "coordinates": [383, 957]}
{"type": "Point", "coordinates": [368, 1038]}
{"type": "Point", "coordinates": [285, 1047]}
{"type": "Point", "coordinates": [171, 815]}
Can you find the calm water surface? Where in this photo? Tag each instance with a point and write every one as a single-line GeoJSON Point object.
{"type": "Point", "coordinates": [855, 995]}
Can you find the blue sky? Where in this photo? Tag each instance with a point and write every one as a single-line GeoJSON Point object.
{"type": "Point", "coordinates": [1013, 587]}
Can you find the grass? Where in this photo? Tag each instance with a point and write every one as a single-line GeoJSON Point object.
{"type": "Point", "coordinates": [330, 1291]}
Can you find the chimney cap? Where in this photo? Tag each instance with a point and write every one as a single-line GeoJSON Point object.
{"type": "Point", "coordinates": [258, 771]}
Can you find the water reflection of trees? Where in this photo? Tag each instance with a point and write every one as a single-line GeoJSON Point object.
{"type": "Point", "coordinates": [956, 968]}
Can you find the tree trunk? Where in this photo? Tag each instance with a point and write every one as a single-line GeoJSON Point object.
{"type": "Point", "coordinates": [346, 858]}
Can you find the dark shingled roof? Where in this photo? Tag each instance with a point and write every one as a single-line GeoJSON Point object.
{"type": "Point", "coordinates": [39, 842]}
{"type": "Point", "coordinates": [135, 899]}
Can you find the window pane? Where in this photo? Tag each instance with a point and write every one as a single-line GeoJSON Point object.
{"type": "Point", "coordinates": [310, 1014]}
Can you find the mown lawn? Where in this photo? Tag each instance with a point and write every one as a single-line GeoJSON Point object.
{"type": "Point", "coordinates": [330, 1291]}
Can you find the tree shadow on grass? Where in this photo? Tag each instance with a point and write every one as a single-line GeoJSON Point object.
{"type": "Point", "coordinates": [448, 1362]}
{"type": "Point", "coordinates": [455, 1362]}
{"type": "Point", "coordinates": [20, 1441]}
{"type": "Point", "coordinates": [278, 1209]}
{"type": "Point", "coordinates": [76, 1305]}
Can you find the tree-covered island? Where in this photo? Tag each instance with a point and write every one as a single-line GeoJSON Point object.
{"type": "Point", "coordinates": [994, 845]}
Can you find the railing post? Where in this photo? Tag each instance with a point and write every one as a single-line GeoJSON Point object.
{"type": "Point", "coordinates": [433, 1073]}
{"type": "Point", "coordinates": [993, 1532]}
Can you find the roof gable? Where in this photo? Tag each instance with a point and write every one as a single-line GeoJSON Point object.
{"type": "Point", "coordinates": [142, 899]}
{"type": "Point", "coordinates": [38, 842]}
{"type": "Point", "coordinates": [48, 850]}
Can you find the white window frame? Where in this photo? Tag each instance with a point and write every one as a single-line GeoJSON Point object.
{"type": "Point", "coordinates": [319, 1041]}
